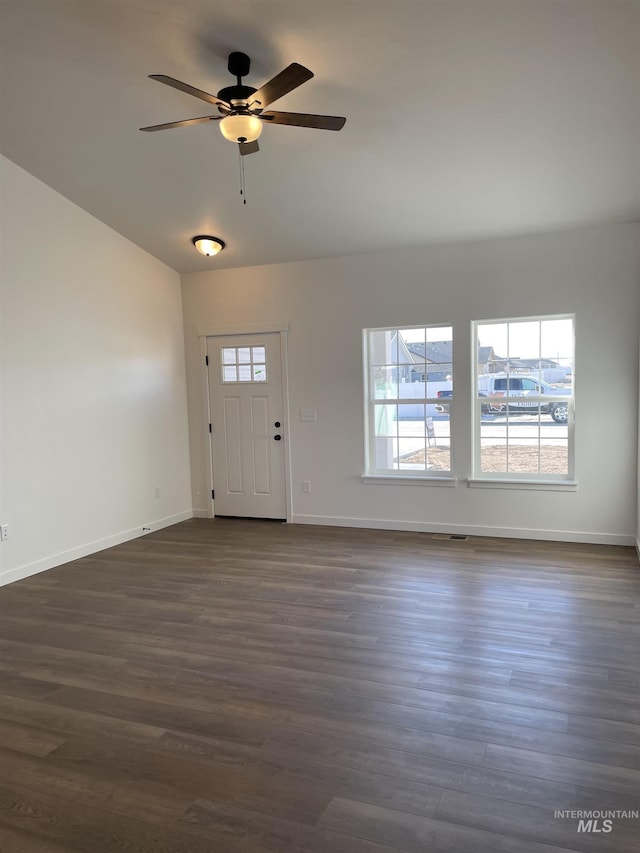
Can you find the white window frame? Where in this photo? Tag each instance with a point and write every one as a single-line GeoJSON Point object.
{"type": "Point", "coordinates": [533, 479]}
{"type": "Point", "coordinates": [386, 475]}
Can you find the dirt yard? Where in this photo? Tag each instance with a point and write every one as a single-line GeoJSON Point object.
{"type": "Point", "coordinates": [522, 459]}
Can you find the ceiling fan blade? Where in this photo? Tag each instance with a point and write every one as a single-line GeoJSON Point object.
{"type": "Point", "coordinates": [190, 90]}
{"type": "Point", "coordinates": [305, 120]}
{"type": "Point", "coordinates": [248, 147]}
{"type": "Point", "coordinates": [294, 75]}
{"type": "Point", "coordinates": [181, 123]}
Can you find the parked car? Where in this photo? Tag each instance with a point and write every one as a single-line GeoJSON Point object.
{"type": "Point", "coordinates": [444, 405]}
{"type": "Point", "coordinates": [522, 386]}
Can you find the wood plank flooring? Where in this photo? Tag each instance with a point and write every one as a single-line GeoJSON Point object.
{"type": "Point", "coordinates": [238, 686]}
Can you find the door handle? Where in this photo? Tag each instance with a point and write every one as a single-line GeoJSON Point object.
{"type": "Point", "coordinates": [277, 437]}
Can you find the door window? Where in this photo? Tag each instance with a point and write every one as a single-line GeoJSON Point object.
{"type": "Point", "coordinates": [243, 364]}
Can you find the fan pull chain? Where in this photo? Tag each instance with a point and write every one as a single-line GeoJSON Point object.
{"type": "Point", "coordinates": [243, 191]}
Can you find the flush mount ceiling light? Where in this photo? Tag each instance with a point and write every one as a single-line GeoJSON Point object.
{"type": "Point", "coordinates": [208, 246]}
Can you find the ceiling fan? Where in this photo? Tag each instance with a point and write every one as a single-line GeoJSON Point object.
{"type": "Point", "coordinates": [241, 107]}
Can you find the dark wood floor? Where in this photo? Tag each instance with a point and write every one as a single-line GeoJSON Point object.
{"type": "Point", "coordinates": [262, 688]}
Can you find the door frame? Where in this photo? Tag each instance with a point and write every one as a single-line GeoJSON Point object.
{"type": "Point", "coordinates": [204, 332]}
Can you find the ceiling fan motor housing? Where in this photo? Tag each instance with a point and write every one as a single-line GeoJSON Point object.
{"type": "Point", "coordinates": [241, 93]}
{"type": "Point", "coordinates": [238, 95]}
{"type": "Point", "coordinates": [238, 64]}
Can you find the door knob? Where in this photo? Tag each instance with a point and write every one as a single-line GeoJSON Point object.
{"type": "Point", "coordinates": [277, 437]}
{"type": "Point", "coordinates": [277, 425]}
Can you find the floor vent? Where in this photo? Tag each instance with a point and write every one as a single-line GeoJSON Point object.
{"type": "Point", "coordinates": [459, 537]}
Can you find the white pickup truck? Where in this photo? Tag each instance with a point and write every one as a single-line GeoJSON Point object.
{"type": "Point", "coordinates": [521, 386]}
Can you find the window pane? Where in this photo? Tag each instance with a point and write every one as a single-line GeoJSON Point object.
{"type": "Point", "coordinates": [493, 457]}
{"type": "Point", "coordinates": [411, 454]}
{"type": "Point", "coordinates": [385, 420]}
{"type": "Point", "coordinates": [439, 355]}
{"type": "Point", "coordinates": [228, 355]}
{"type": "Point", "coordinates": [412, 417]}
{"type": "Point", "coordinates": [244, 355]}
{"type": "Point", "coordinates": [258, 355]}
{"type": "Point", "coordinates": [244, 372]}
{"type": "Point", "coordinates": [229, 374]}
{"type": "Point", "coordinates": [411, 357]}
{"type": "Point", "coordinates": [556, 339]}
{"type": "Point", "coordinates": [523, 456]}
{"type": "Point", "coordinates": [554, 458]}
{"type": "Point", "coordinates": [259, 373]}
{"type": "Point", "coordinates": [385, 381]}
{"type": "Point", "coordinates": [439, 458]}
{"type": "Point", "coordinates": [381, 350]}
{"type": "Point", "coordinates": [524, 340]}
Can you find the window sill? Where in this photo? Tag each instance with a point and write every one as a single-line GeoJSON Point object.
{"type": "Point", "coordinates": [399, 480]}
{"type": "Point", "coordinates": [539, 485]}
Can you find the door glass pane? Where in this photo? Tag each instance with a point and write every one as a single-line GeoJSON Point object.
{"type": "Point", "coordinates": [229, 373]}
{"type": "Point", "coordinates": [258, 355]}
{"type": "Point", "coordinates": [228, 355]}
{"type": "Point", "coordinates": [244, 355]}
{"type": "Point", "coordinates": [244, 373]}
{"type": "Point", "coordinates": [259, 372]}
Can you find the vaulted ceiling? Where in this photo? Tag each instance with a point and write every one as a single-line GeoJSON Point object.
{"type": "Point", "coordinates": [465, 120]}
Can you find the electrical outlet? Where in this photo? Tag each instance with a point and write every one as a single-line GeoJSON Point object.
{"type": "Point", "coordinates": [4, 532]}
{"type": "Point", "coordinates": [306, 486]}
{"type": "Point", "coordinates": [156, 493]}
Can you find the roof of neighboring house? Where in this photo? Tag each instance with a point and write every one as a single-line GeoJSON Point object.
{"type": "Point", "coordinates": [538, 362]}
{"type": "Point", "coordinates": [440, 352]}
{"type": "Point", "coordinates": [435, 352]}
{"type": "Point", "coordinates": [400, 354]}
{"type": "Point", "coordinates": [485, 354]}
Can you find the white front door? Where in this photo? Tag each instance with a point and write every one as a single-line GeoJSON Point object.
{"type": "Point", "coordinates": [247, 425]}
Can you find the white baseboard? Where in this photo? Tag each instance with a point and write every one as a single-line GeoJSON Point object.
{"type": "Point", "coordinates": [638, 548]}
{"type": "Point", "coordinates": [469, 530]}
{"type": "Point", "coordinates": [54, 560]}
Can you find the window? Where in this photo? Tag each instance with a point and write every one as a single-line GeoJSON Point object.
{"type": "Point", "coordinates": [244, 364]}
{"type": "Point", "coordinates": [408, 390]}
{"type": "Point", "coordinates": [523, 418]}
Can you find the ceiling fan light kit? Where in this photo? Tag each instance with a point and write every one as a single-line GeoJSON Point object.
{"type": "Point", "coordinates": [241, 128]}
{"type": "Point", "coordinates": [208, 246]}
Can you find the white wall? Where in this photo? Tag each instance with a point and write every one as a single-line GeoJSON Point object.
{"type": "Point", "coordinates": [93, 383]}
{"type": "Point", "coordinates": [591, 272]}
